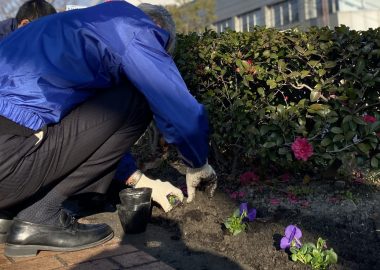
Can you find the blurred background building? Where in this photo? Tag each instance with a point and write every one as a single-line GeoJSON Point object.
{"type": "Point", "coordinates": [241, 15]}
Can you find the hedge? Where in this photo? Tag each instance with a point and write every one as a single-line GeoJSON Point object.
{"type": "Point", "coordinates": [266, 88]}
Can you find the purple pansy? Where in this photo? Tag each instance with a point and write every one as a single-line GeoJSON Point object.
{"type": "Point", "coordinates": [250, 214]}
{"type": "Point", "coordinates": [292, 235]}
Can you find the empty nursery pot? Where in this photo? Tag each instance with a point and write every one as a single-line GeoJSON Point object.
{"type": "Point", "coordinates": [135, 210]}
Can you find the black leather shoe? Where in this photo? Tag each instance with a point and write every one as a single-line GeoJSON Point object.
{"type": "Point", "coordinates": [26, 238]}
{"type": "Point", "coordinates": [5, 224]}
{"type": "Point", "coordinates": [6, 221]}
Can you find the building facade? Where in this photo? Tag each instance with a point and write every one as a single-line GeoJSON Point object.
{"type": "Point", "coordinates": [242, 15]}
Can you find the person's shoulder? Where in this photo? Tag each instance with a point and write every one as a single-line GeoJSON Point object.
{"type": "Point", "coordinates": [116, 9]}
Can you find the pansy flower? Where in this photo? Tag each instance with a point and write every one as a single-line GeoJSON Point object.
{"type": "Point", "coordinates": [291, 238]}
{"type": "Point", "coordinates": [249, 214]}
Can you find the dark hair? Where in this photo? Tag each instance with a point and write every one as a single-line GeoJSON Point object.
{"type": "Point", "coordinates": [34, 9]}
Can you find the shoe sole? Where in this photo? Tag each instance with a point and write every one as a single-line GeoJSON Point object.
{"type": "Point", "coordinates": [32, 250]}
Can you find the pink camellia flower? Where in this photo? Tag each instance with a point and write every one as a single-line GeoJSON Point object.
{"type": "Point", "coordinates": [248, 178]}
{"type": "Point", "coordinates": [369, 118]}
{"type": "Point", "coordinates": [302, 149]}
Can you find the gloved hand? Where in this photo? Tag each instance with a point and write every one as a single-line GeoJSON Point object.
{"type": "Point", "coordinates": [204, 175]}
{"type": "Point", "coordinates": [160, 190]}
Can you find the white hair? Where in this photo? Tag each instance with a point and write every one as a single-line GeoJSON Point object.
{"type": "Point", "coordinates": [163, 18]}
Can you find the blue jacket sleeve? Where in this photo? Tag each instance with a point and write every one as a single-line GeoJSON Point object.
{"type": "Point", "coordinates": [126, 167]}
{"type": "Point", "coordinates": [180, 118]}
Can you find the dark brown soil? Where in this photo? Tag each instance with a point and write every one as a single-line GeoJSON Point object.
{"type": "Point", "coordinates": [192, 237]}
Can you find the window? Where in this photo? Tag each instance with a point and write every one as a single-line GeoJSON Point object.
{"type": "Point", "coordinates": [223, 25]}
{"type": "Point", "coordinates": [314, 8]}
{"type": "Point", "coordinates": [250, 19]}
{"type": "Point", "coordinates": [284, 13]}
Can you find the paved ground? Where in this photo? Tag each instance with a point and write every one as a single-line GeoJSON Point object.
{"type": "Point", "coordinates": [111, 255]}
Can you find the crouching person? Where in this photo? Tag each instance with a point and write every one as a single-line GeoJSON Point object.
{"type": "Point", "coordinates": [77, 89]}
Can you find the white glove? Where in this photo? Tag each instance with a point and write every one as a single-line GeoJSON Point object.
{"type": "Point", "coordinates": [194, 176]}
{"type": "Point", "coordinates": [160, 191]}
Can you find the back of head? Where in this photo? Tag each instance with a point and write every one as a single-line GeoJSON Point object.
{"type": "Point", "coordinates": [34, 9]}
{"type": "Point", "coordinates": [162, 18]}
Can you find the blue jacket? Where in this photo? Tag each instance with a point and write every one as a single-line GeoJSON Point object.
{"type": "Point", "coordinates": [53, 64]}
{"type": "Point", "coordinates": [7, 26]}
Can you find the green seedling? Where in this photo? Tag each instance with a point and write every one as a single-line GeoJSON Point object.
{"type": "Point", "coordinates": [173, 200]}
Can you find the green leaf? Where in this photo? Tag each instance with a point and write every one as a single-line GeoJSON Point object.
{"type": "Point", "coordinates": [264, 129]}
{"type": "Point", "coordinates": [249, 77]}
{"type": "Point", "coordinates": [294, 257]}
{"type": "Point", "coordinates": [308, 258]}
{"type": "Point", "coordinates": [280, 108]}
{"type": "Point", "coordinates": [304, 73]}
{"type": "Point", "coordinates": [321, 72]}
{"type": "Point", "coordinates": [338, 138]}
{"type": "Point", "coordinates": [353, 126]}
{"type": "Point", "coordinates": [261, 91]}
{"type": "Point", "coordinates": [314, 95]}
{"type": "Point", "coordinates": [359, 120]}
{"type": "Point", "coordinates": [313, 63]}
{"type": "Point", "coordinates": [269, 144]}
{"type": "Point", "coordinates": [318, 107]}
{"type": "Point", "coordinates": [330, 64]}
{"type": "Point", "coordinates": [364, 148]}
{"type": "Point", "coordinates": [315, 253]}
{"type": "Point", "coordinates": [325, 142]}
{"type": "Point", "coordinates": [327, 156]}
{"type": "Point", "coordinates": [347, 118]}
{"type": "Point", "coordinates": [333, 257]}
{"type": "Point", "coordinates": [336, 130]}
{"type": "Point", "coordinates": [375, 126]}
{"type": "Point", "coordinates": [349, 135]}
{"type": "Point", "coordinates": [282, 151]}
{"type": "Point", "coordinates": [332, 120]}
{"type": "Point", "coordinates": [245, 64]}
{"type": "Point", "coordinates": [294, 74]}
{"type": "Point", "coordinates": [272, 84]}
{"type": "Point", "coordinates": [266, 53]}
{"type": "Point", "coordinates": [300, 49]}
{"type": "Point", "coordinates": [374, 162]}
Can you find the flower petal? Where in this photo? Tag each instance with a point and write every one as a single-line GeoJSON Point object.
{"type": "Point", "coordinates": [243, 207]}
{"type": "Point", "coordinates": [285, 243]}
{"type": "Point", "coordinates": [298, 233]}
{"type": "Point", "coordinates": [289, 232]}
{"type": "Point", "coordinates": [251, 214]}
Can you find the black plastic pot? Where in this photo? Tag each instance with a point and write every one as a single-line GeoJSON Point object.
{"type": "Point", "coordinates": [135, 210]}
{"type": "Point", "coordinates": [134, 196]}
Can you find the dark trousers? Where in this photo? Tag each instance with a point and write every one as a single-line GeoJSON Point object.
{"type": "Point", "coordinates": [77, 155]}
